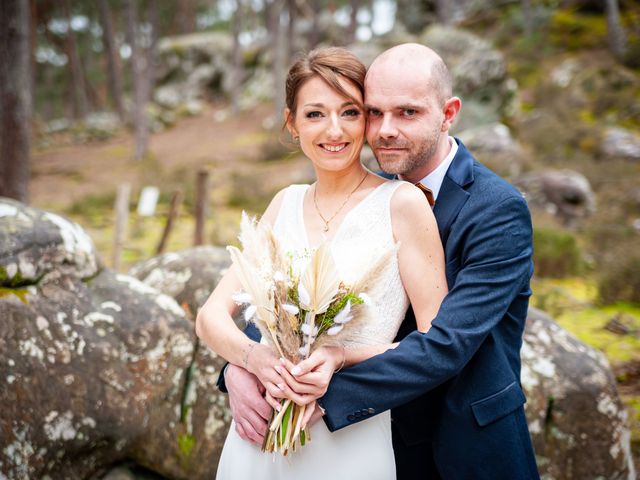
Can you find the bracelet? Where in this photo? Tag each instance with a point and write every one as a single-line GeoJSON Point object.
{"type": "Point", "coordinates": [344, 359]}
{"type": "Point", "coordinates": [247, 352]}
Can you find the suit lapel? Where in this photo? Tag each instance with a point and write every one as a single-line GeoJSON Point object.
{"type": "Point", "coordinates": [453, 195]}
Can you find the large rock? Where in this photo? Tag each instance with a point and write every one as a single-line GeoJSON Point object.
{"type": "Point", "coordinates": [577, 422]}
{"type": "Point", "coordinates": [479, 71]}
{"type": "Point", "coordinates": [620, 143]}
{"type": "Point", "coordinates": [495, 147]}
{"type": "Point", "coordinates": [564, 193]}
{"type": "Point", "coordinates": [96, 367]}
{"type": "Point", "coordinates": [189, 276]}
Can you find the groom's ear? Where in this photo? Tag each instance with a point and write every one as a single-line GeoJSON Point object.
{"type": "Point", "coordinates": [450, 110]}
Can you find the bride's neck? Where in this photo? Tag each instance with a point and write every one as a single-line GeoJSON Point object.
{"type": "Point", "coordinates": [337, 183]}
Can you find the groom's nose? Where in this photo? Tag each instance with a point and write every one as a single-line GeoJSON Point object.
{"type": "Point", "coordinates": [388, 128]}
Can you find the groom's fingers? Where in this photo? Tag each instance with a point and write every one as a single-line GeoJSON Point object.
{"type": "Point", "coordinates": [249, 432]}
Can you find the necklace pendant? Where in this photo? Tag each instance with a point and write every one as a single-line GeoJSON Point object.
{"type": "Point", "coordinates": [326, 228]}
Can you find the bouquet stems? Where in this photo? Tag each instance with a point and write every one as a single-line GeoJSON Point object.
{"type": "Point", "coordinates": [285, 429]}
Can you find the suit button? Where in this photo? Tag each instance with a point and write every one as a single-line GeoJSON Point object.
{"type": "Point", "coordinates": [351, 418]}
{"type": "Point", "coordinates": [371, 410]}
{"type": "Point", "coordinates": [364, 412]}
{"type": "Point", "coordinates": [358, 414]}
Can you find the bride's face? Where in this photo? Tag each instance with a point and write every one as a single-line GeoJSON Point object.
{"type": "Point", "coordinates": [330, 126]}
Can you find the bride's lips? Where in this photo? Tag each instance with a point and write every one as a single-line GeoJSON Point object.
{"type": "Point", "coordinates": [333, 147]}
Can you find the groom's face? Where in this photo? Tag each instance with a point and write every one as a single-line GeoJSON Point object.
{"type": "Point", "coordinates": [404, 122]}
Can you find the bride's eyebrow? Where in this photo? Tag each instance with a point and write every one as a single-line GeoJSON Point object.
{"type": "Point", "coordinates": [321, 105]}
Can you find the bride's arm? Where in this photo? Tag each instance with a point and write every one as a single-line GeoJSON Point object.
{"type": "Point", "coordinates": [422, 270]}
{"type": "Point", "coordinates": [215, 326]}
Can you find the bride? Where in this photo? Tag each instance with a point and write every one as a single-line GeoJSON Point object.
{"type": "Point", "coordinates": [360, 214]}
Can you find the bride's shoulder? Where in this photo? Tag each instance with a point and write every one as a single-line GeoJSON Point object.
{"type": "Point", "coordinates": [271, 213]}
{"type": "Point", "coordinates": [407, 196]}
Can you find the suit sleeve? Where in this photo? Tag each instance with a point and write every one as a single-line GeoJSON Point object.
{"type": "Point", "coordinates": [254, 334]}
{"type": "Point", "coordinates": [495, 267]}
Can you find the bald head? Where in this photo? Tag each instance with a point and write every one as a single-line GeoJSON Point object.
{"type": "Point", "coordinates": [415, 61]}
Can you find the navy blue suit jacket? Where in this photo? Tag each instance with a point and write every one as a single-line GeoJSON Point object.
{"type": "Point", "coordinates": [455, 391]}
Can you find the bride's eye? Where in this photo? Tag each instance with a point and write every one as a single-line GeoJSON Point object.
{"type": "Point", "coordinates": [352, 112]}
{"type": "Point", "coordinates": [314, 114]}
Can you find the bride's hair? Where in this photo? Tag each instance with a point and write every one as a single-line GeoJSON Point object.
{"type": "Point", "coordinates": [331, 64]}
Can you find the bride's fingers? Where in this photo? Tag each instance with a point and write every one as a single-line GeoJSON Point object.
{"type": "Point", "coordinates": [291, 381]}
{"type": "Point", "coordinates": [275, 404]}
{"type": "Point", "coordinates": [306, 366]}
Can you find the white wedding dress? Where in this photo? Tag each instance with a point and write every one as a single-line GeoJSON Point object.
{"type": "Point", "coordinates": [362, 451]}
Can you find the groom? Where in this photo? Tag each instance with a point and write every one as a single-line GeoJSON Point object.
{"type": "Point", "coordinates": [454, 392]}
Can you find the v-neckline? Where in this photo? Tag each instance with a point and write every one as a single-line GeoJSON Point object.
{"type": "Point", "coordinates": [303, 225]}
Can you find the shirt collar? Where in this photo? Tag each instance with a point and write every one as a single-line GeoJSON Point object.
{"type": "Point", "coordinates": [434, 180]}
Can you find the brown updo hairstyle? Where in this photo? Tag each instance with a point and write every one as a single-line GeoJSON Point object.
{"type": "Point", "coordinates": [330, 64]}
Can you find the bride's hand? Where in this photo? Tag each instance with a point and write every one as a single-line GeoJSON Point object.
{"type": "Point", "coordinates": [311, 377]}
{"type": "Point", "coordinates": [265, 364]}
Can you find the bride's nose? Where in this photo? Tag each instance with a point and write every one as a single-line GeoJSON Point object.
{"type": "Point", "coordinates": [334, 129]}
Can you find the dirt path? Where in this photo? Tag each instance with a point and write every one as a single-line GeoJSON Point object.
{"type": "Point", "coordinates": [66, 174]}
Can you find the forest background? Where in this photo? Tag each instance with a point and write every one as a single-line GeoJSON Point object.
{"type": "Point", "coordinates": [107, 96]}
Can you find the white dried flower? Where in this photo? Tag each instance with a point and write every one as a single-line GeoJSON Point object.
{"type": "Point", "coordinates": [366, 299]}
{"type": "Point", "coordinates": [241, 297]}
{"type": "Point", "coordinates": [292, 309]}
{"type": "Point", "coordinates": [334, 330]}
{"type": "Point", "coordinates": [250, 312]}
{"type": "Point", "coordinates": [343, 315]}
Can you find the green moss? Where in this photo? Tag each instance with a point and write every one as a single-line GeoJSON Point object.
{"type": "Point", "coordinates": [589, 326]}
{"type": "Point", "coordinates": [186, 442]}
{"type": "Point", "coordinates": [21, 293]}
{"type": "Point", "coordinates": [576, 31]}
{"type": "Point", "coordinates": [13, 282]}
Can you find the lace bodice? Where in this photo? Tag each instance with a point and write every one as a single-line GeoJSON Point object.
{"type": "Point", "coordinates": [364, 234]}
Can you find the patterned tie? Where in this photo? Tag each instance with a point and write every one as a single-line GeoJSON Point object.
{"type": "Point", "coordinates": [427, 193]}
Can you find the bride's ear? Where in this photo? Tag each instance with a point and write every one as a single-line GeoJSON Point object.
{"type": "Point", "coordinates": [288, 120]}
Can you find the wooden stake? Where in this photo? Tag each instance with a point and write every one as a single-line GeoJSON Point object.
{"type": "Point", "coordinates": [202, 197]}
{"type": "Point", "coordinates": [122, 218]}
{"type": "Point", "coordinates": [176, 200]}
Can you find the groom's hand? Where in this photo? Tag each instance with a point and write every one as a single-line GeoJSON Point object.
{"type": "Point", "coordinates": [248, 407]}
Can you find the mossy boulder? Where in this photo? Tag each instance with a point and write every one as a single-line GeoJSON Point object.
{"type": "Point", "coordinates": [578, 424]}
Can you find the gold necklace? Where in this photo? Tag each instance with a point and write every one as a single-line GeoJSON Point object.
{"type": "Point", "coordinates": [315, 202]}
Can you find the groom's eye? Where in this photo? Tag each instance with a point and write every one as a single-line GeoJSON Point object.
{"type": "Point", "coordinates": [372, 112]}
{"type": "Point", "coordinates": [409, 112]}
{"type": "Point", "coordinates": [352, 112]}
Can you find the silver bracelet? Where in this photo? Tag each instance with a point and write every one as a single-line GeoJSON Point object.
{"type": "Point", "coordinates": [245, 360]}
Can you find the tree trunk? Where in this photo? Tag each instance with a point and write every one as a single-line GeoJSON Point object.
{"type": "Point", "coordinates": [353, 21]}
{"type": "Point", "coordinates": [78, 87]}
{"type": "Point", "coordinates": [114, 74]}
{"type": "Point", "coordinates": [314, 35]}
{"type": "Point", "coordinates": [186, 16]}
{"type": "Point", "coordinates": [15, 99]}
{"type": "Point", "coordinates": [292, 9]}
{"type": "Point", "coordinates": [443, 11]}
{"type": "Point", "coordinates": [278, 49]}
{"type": "Point", "coordinates": [152, 52]}
{"type": "Point", "coordinates": [236, 58]}
{"type": "Point", "coordinates": [138, 71]}
{"type": "Point", "coordinates": [617, 35]}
